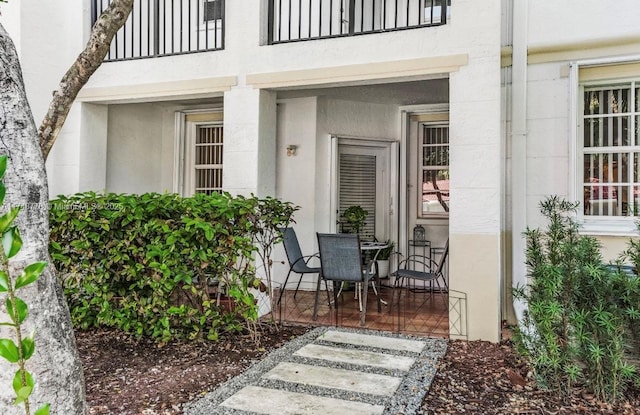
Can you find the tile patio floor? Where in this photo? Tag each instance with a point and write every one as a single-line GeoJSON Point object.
{"type": "Point", "coordinates": [421, 313]}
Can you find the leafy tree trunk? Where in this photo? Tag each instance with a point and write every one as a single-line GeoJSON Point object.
{"type": "Point", "coordinates": [55, 365]}
{"type": "Point", "coordinates": [79, 73]}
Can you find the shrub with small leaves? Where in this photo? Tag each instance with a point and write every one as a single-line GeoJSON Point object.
{"type": "Point", "coordinates": [20, 350]}
{"type": "Point", "coordinates": [576, 327]}
{"type": "Point", "coordinates": [148, 263]}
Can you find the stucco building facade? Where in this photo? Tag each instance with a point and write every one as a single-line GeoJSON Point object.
{"type": "Point", "coordinates": [463, 114]}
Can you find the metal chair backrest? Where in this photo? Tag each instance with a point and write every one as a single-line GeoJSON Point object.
{"type": "Point", "coordinates": [443, 258]}
{"type": "Point", "coordinates": [340, 257]}
{"type": "Point", "coordinates": [291, 245]}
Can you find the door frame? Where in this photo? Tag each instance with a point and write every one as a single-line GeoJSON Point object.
{"type": "Point", "coordinates": [392, 145]}
{"type": "Point", "coordinates": [405, 170]}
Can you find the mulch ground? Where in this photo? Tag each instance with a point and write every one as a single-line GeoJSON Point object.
{"type": "Point", "coordinates": [125, 376]}
{"type": "Point", "coordinates": [483, 378]}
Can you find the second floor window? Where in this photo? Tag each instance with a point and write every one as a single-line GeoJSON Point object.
{"type": "Point", "coordinates": [213, 10]}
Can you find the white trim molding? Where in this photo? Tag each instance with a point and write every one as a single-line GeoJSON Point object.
{"type": "Point", "coordinates": [194, 88]}
{"type": "Point", "coordinates": [360, 72]}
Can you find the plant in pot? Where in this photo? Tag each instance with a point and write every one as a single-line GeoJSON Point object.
{"type": "Point", "coordinates": [355, 217]}
{"type": "Point", "coordinates": [383, 259]}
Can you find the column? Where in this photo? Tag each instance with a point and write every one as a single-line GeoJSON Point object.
{"type": "Point", "coordinates": [249, 141]}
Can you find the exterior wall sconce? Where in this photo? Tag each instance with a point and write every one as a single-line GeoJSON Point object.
{"type": "Point", "coordinates": [291, 150]}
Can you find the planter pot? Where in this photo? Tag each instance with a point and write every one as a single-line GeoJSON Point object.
{"type": "Point", "coordinates": [229, 305]}
{"type": "Point", "coordinates": [383, 268]}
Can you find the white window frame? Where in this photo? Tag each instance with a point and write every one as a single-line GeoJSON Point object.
{"type": "Point", "coordinates": [592, 225]}
{"type": "Point", "coordinates": [420, 169]}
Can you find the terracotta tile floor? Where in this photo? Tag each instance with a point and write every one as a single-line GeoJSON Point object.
{"type": "Point", "coordinates": [420, 313]}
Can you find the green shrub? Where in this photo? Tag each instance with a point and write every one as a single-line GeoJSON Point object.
{"type": "Point", "coordinates": [145, 263]}
{"type": "Point", "coordinates": [579, 314]}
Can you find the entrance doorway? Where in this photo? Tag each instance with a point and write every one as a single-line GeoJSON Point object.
{"type": "Point", "coordinates": [365, 176]}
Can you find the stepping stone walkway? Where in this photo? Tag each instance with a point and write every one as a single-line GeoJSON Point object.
{"type": "Point", "coordinates": [332, 371]}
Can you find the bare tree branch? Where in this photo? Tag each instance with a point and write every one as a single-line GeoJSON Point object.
{"type": "Point", "coordinates": [103, 31]}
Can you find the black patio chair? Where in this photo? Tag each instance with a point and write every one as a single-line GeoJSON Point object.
{"type": "Point", "coordinates": [341, 261]}
{"type": "Point", "coordinates": [298, 263]}
{"type": "Point", "coordinates": [422, 268]}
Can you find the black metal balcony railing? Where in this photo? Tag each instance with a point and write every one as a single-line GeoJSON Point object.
{"type": "Point", "coordinates": [166, 27]}
{"type": "Point", "coordinates": [295, 20]}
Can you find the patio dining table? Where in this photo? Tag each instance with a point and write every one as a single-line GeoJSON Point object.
{"type": "Point", "coordinates": [368, 263]}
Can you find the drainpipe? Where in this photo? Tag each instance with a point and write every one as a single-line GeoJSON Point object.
{"type": "Point", "coordinates": [519, 144]}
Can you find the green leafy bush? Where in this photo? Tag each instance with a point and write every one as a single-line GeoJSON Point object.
{"type": "Point", "coordinates": [580, 312]}
{"type": "Point", "coordinates": [146, 263]}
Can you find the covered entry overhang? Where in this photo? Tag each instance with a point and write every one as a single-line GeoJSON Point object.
{"type": "Point", "coordinates": [363, 114]}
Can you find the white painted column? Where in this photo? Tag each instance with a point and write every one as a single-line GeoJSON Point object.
{"type": "Point", "coordinates": [64, 159]}
{"type": "Point", "coordinates": [249, 141]}
{"type": "Point", "coordinates": [93, 147]}
{"type": "Point", "coordinates": [475, 234]}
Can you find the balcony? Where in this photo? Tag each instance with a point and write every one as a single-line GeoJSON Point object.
{"type": "Point", "coordinates": [297, 20]}
{"type": "Point", "coordinates": [166, 27]}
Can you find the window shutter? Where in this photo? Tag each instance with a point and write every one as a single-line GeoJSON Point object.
{"type": "Point", "coordinates": [358, 187]}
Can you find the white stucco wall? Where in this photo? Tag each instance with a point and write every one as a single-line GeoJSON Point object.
{"type": "Point", "coordinates": [297, 126]}
{"type": "Point", "coordinates": [47, 45]}
{"type": "Point", "coordinates": [548, 137]}
{"type": "Point", "coordinates": [135, 149]}
{"type": "Point", "coordinates": [466, 49]}
{"type": "Point", "coordinates": [243, 53]}
{"type": "Point", "coordinates": [570, 21]}
{"type": "Point", "coordinates": [360, 119]}
{"type": "Point", "coordinates": [304, 179]}
{"type": "Point", "coordinates": [557, 34]}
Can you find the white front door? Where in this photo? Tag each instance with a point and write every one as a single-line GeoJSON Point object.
{"type": "Point", "coordinates": [363, 178]}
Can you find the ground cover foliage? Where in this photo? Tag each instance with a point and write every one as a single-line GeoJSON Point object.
{"type": "Point", "coordinates": [147, 264]}
{"type": "Point", "coordinates": [580, 328]}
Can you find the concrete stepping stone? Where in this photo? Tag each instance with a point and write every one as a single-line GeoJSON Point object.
{"type": "Point", "coordinates": [381, 342]}
{"type": "Point", "coordinates": [356, 357]}
{"type": "Point", "coordinates": [278, 402]}
{"type": "Point", "coordinates": [325, 377]}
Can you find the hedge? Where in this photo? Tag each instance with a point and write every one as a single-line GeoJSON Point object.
{"type": "Point", "coordinates": [145, 263]}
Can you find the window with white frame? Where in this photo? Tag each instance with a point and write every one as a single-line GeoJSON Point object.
{"type": "Point", "coordinates": [433, 166]}
{"type": "Point", "coordinates": [610, 149]}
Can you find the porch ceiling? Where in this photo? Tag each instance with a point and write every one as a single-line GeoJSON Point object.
{"type": "Point", "coordinates": [431, 91]}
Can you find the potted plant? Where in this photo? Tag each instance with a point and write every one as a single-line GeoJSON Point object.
{"type": "Point", "coordinates": [355, 217]}
{"type": "Point", "coordinates": [383, 259]}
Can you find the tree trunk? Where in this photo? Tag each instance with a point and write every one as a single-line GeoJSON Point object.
{"type": "Point", "coordinates": [55, 365]}
{"type": "Point", "coordinates": [109, 22]}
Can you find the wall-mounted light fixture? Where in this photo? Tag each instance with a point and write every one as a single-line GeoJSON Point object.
{"type": "Point", "coordinates": [291, 150]}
